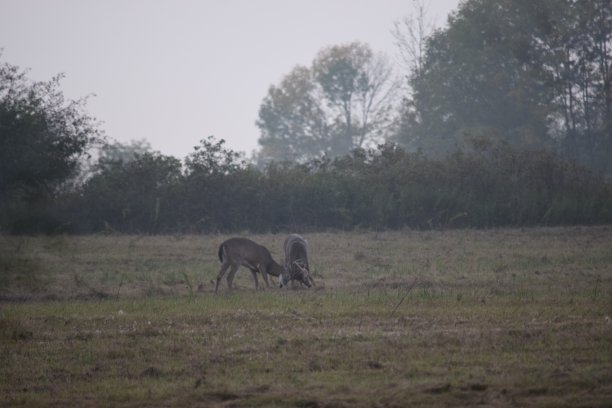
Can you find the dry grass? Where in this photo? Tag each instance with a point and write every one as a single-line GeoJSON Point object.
{"type": "Point", "coordinates": [497, 318]}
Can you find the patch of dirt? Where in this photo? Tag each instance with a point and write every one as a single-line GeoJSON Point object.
{"type": "Point", "coordinates": [151, 372]}
{"type": "Point", "coordinates": [438, 389]}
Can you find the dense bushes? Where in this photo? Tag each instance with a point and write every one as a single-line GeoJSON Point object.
{"type": "Point", "coordinates": [487, 186]}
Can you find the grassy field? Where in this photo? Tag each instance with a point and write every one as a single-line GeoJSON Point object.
{"type": "Point", "coordinates": [496, 318]}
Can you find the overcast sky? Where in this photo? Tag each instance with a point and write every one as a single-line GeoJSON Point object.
{"type": "Point", "coordinates": [174, 72]}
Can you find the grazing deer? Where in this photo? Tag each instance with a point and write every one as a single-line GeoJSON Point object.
{"type": "Point", "coordinates": [296, 262]}
{"type": "Point", "coordinates": [236, 252]}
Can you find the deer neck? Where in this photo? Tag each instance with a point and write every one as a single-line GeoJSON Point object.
{"type": "Point", "coordinates": [275, 269]}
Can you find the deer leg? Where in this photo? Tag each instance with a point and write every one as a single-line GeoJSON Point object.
{"type": "Point", "coordinates": [222, 271]}
{"type": "Point", "coordinates": [230, 275]}
{"type": "Point", "coordinates": [264, 273]}
{"type": "Point", "coordinates": [254, 273]}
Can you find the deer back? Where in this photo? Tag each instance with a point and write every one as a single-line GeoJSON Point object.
{"type": "Point", "coordinates": [296, 250]}
{"type": "Point", "coordinates": [245, 251]}
{"type": "Point", "coordinates": [296, 261]}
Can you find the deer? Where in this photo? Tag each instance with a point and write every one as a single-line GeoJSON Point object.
{"type": "Point", "coordinates": [296, 266]}
{"type": "Point", "coordinates": [236, 252]}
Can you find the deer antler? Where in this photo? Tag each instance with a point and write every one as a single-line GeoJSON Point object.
{"type": "Point", "coordinates": [305, 272]}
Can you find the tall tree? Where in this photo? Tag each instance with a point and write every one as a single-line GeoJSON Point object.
{"type": "Point", "coordinates": [576, 47]}
{"type": "Point", "coordinates": [476, 78]}
{"type": "Point", "coordinates": [292, 120]}
{"type": "Point", "coordinates": [533, 73]}
{"type": "Point", "coordinates": [43, 136]}
{"type": "Point", "coordinates": [343, 101]}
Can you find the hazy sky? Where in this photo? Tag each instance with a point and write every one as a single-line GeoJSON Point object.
{"type": "Point", "coordinates": [174, 72]}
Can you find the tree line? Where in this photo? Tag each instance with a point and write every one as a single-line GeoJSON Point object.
{"type": "Point", "coordinates": [214, 190]}
{"type": "Point", "coordinates": [502, 119]}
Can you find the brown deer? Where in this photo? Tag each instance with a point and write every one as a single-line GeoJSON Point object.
{"type": "Point", "coordinates": [236, 252]}
{"type": "Point", "coordinates": [296, 262]}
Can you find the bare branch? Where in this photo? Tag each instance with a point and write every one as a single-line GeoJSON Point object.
{"type": "Point", "coordinates": [411, 34]}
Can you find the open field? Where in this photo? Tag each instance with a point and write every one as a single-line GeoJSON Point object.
{"type": "Point", "coordinates": [497, 318]}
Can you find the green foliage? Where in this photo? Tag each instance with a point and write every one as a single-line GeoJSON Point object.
{"type": "Point", "coordinates": [534, 74]}
{"type": "Point", "coordinates": [218, 188]}
{"type": "Point", "coordinates": [211, 157]}
{"type": "Point", "coordinates": [343, 101]}
{"type": "Point", "coordinates": [487, 186]}
{"type": "Point", "coordinates": [491, 185]}
{"type": "Point", "coordinates": [43, 136]}
{"type": "Point", "coordinates": [133, 196]}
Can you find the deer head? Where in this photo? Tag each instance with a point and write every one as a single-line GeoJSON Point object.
{"type": "Point", "coordinates": [296, 262]}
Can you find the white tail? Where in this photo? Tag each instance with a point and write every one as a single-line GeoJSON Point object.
{"type": "Point", "coordinates": [296, 262]}
{"type": "Point", "coordinates": [236, 252]}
